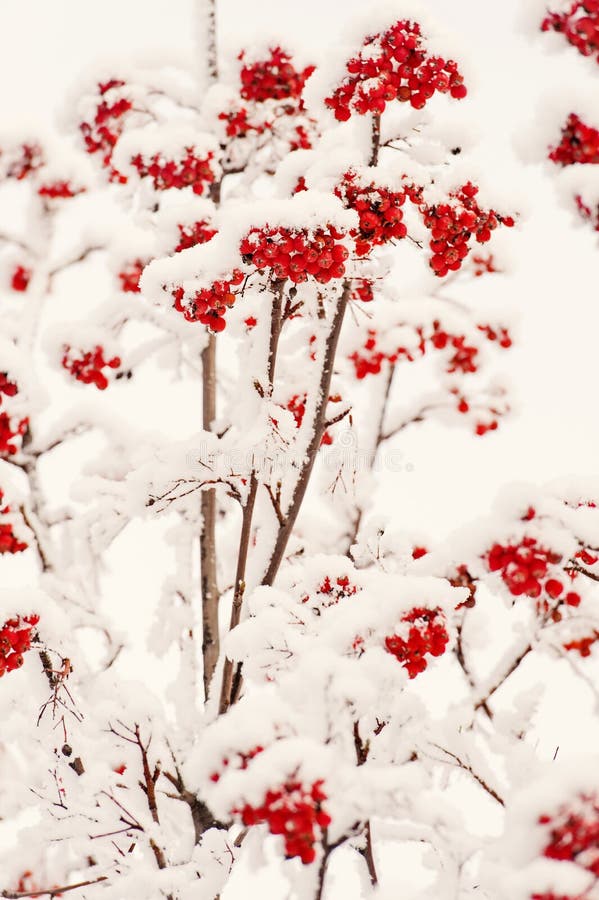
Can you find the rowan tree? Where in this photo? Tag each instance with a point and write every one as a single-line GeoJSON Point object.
{"type": "Point", "coordinates": [303, 255]}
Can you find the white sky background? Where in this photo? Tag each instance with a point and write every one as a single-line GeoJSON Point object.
{"type": "Point", "coordinates": [555, 431]}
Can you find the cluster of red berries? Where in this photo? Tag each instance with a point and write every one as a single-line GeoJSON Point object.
{"type": "Point", "coordinates": [552, 896]}
{"type": "Point", "coordinates": [295, 812]}
{"type": "Point", "coordinates": [573, 833]}
{"type": "Point", "coordinates": [296, 254]}
{"type": "Point", "coordinates": [481, 428]}
{"type": "Point", "coordinates": [9, 542]}
{"type": "Point", "coordinates": [379, 209]}
{"type": "Point", "coordinates": [238, 124]}
{"type": "Point", "coordinates": [394, 66]}
{"type": "Point", "coordinates": [191, 170]}
{"type": "Point", "coordinates": [583, 645]}
{"type": "Point", "coordinates": [10, 429]}
{"type": "Point", "coordinates": [196, 233]}
{"type": "Point", "coordinates": [331, 590]}
{"type": "Point", "coordinates": [369, 359]}
{"type": "Point", "coordinates": [362, 290]}
{"type": "Point", "coordinates": [586, 212]}
{"type": "Point", "coordinates": [274, 78]}
{"type": "Point", "coordinates": [453, 224]}
{"type": "Point", "coordinates": [130, 275]}
{"type": "Point", "coordinates": [297, 407]}
{"type": "Point", "coordinates": [15, 639]}
{"type": "Point", "coordinates": [20, 279]}
{"type": "Point", "coordinates": [29, 159]}
{"type": "Point", "coordinates": [464, 357]}
{"type": "Point", "coordinates": [580, 25]}
{"type": "Point", "coordinates": [103, 131]}
{"type": "Point", "coordinates": [300, 140]}
{"type": "Point", "coordinates": [89, 365]}
{"type": "Point", "coordinates": [209, 305]}
{"type": "Point", "coordinates": [7, 387]}
{"type": "Point", "coordinates": [579, 144]}
{"type": "Point", "coordinates": [483, 265]}
{"type": "Point", "coordinates": [61, 190]}
{"type": "Point", "coordinates": [525, 569]}
{"type": "Point", "coordinates": [243, 760]}
{"type": "Point", "coordinates": [426, 635]}
{"type": "Point", "coordinates": [501, 335]}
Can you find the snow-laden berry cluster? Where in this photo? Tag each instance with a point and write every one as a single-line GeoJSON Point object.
{"type": "Point", "coordinates": [16, 636]}
{"type": "Point", "coordinates": [394, 65]}
{"type": "Point", "coordinates": [579, 24]}
{"type": "Point", "coordinates": [90, 366]}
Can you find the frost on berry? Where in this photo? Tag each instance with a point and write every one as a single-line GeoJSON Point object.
{"type": "Point", "coordinates": [422, 632]}
{"type": "Point", "coordinates": [579, 144]}
{"type": "Point", "coordinates": [209, 305]}
{"type": "Point", "coordinates": [294, 811]}
{"type": "Point", "coordinates": [579, 24]}
{"type": "Point", "coordinates": [88, 366]}
{"type": "Point", "coordinates": [20, 279]}
{"type": "Point", "coordinates": [190, 169]}
{"type": "Point", "coordinates": [394, 65]}
{"type": "Point", "coordinates": [16, 636]}
{"type": "Point", "coordinates": [297, 254]}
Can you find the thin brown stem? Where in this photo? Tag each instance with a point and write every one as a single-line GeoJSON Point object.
{"type": "Point", "coordinates": [515, 664]}
{"type": "Point", "coordinates": [466, 767]}
{"type": "Point", "coordinates": [461, 658]}
{"type": "Point", "coordinates": [375, 138]}
{"type": "Point", "coordinates": [368, 854]}
{"type": "Point", "coordinates": [367, 851]}
{"type": "Point", "coordinates": [244, 543]}
{"type": "Point", "coordinates": [53, 892]}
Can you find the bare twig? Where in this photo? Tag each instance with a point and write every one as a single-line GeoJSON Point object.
{"type": "Point", "coordinates": [468, 768]}
{"type": "Point", "coordinates": [52, 892]}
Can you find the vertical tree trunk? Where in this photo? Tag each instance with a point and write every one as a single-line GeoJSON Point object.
{"type": "Point", "coordinates": [210, 636]}
{"type": "Point", "coordinates": [209, 583]}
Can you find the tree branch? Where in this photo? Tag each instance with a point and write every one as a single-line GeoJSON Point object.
{"type": "Point", "coordinates": [375, 138]}
{"type": "Point", "coordinates": [52, 892]}
{"type": "Point", "coordinates": [208, 562]}
{"type": "Point", "coordinates": [301, 485]}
